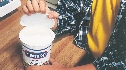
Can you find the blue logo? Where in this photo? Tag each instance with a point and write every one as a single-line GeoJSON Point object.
{"type": "Point", "coordinates": [35, 55]}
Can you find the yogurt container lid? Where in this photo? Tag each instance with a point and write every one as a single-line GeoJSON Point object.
{"type": "Point", "coordinates": [36, 19]}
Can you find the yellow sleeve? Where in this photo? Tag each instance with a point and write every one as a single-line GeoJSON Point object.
{"type": "Point", "coordinates": [103, 19]}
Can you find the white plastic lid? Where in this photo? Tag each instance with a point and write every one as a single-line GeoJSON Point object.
{"type": "Point", "coordinates": [36, 19]}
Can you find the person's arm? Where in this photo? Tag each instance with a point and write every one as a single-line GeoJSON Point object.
{"type": "Point", "coordinates": [84, 67]}
{"type": "Point", "coordinates": [57, 66]}
{"type": "Point", "coordinates": [114, 56]}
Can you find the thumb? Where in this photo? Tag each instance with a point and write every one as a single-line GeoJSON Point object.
{"type": "Point", "coordinates": [53, 15]}
{"type": "Point", "coordinates": [53, 61]}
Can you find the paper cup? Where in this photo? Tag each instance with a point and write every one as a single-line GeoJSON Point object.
{"type": "Point", "coordinates": [36, 44]}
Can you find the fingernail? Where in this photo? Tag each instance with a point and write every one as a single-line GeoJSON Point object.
{"type": "Point", "coordinates": [28, 14]}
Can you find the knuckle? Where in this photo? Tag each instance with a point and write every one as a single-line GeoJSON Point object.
{"type": "Point", "coordinates": [31, 10]}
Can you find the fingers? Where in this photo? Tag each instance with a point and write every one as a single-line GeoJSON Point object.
{"type": "Point", "coordinates": [53, 15]}
{"type": "Point", "coordinates": [42, 5]}
{"type": "Point", "coordinates": [26, 11]}
{"type": "Point", "coordinates": [35, 5]}
{"type": "Point", "coordinates": [53, 61]}
{"type": "Point", "coordinates": [29, 6]}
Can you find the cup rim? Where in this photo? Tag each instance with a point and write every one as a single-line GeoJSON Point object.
{"type": "Point", "coordinates": [51, 32]}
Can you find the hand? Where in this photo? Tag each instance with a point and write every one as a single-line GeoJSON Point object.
{"type": "Point", "coordinates": [38, 6]}
{"type": "Point", "coordinates": [55, 66]}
